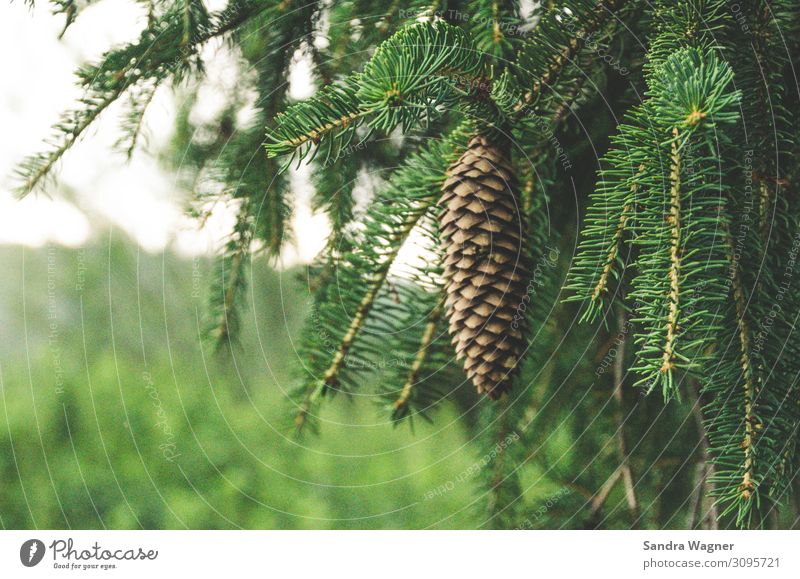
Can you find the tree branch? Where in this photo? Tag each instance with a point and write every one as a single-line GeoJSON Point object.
{"type": "Point", "coordinates": [619, 419]}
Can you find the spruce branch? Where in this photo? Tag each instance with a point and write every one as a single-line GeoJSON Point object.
{"type": "Point", "coordinates": [495, 28]}
{"type": "Point", "coordinates": [611, 258]}
{"type": "Point", "coordinates": [402, 404]}
{"type": "Point", "coordinates": [675, 286]}
{"type": "Point", "coordinates": [230, 284]}
{"type": "Point", "coordinates": [332, 113]}
{"type": "Point", "coordinates": [610, 218]}
{"type": "Point", "coordinates": [750, 421]}
{"type": "Point", "coordinates": [407, 80]}
{"type": "Point", "coordinates": [422, 372]}
{"type": "Point", "coordinates": [241, 174]}
{"type": "Point", "coordinates": [751, 430]}
{"type": "Point", "coordinates": [134, 123]}
{"type": "Point", "coordinates": [555, 43]}
{"type": "Point", "coordinates": [71, 9]}
{"type": "Point", "coordinates": [329, 379]}
{"type": "Point", "coordinates": [344, 308]}
{"type": "Point", "coordinates": [33, 171]}
{"type": "Point", "coordinates": [674, 223]}
{"type": "Point", "coordinates": [404, 84]}
{"type": "Point", "coordinates": [765, 202]}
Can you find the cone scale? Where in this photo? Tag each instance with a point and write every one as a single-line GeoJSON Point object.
{"type": "Point", "coordinates": [485, 271]}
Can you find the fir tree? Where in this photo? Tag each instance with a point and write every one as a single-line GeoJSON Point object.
{"type": "Point", "coordinates": [490, 127]}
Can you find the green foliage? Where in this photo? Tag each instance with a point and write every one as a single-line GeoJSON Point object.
{"type": "Point", "coordinates": [166, 49]}
{"type": "Point", "coordinates": [230, 284]}
{"type": "Point", "coordinates": [497, 27]}
{"type": "Point", "coordinates": [664, 164]}
{"type": "Point", "coordinates": [412, 74]}
{"type": "Point", "coordinates": [408, 77]}
{"type": "Point", "coordinates": [554, 45]}
{"type": "Point", "coordinates": [752, 421]}
{"type": "Point", "coordinates": [697, 257]}
{"type": "Point", "coordinates": [333, 111]}
{"type": "Point", "coordinates": [684, 112]}
{"type": "Point", "coordinates": [335, 352]}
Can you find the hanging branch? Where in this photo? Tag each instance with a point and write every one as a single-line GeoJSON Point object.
{"type": "Point", "coordinates": [599, 499]}
{"type": "Point", "coordinates": [329, 379]}
{"type": "Point", "coordinates": [750, 421]}
{"type": "Point", "coordinates": [611, 258]}
{"type": "Point", "coordinates": [134, 123]}
{"type": "Point", "coordinates": [495, 28]}
{"type": "Point", "coordinates": [763, 157]}
{"type": "Point", "coordinates": [230, 283]}
{"type": "Point", "coordinates": [555, 43]}
{"type": "Point", "coordinates": [401, 406]}
{"type": "Point", "coordinates": [406, 81]}
{"type": "Point", "coordinates": [674, 223]}
{"type": "Point", "coordinates": [333, 112]}
{"type": "Point", "coordinates": [610, 217]}
{"type": "Point", "coordinates": [344, 308]}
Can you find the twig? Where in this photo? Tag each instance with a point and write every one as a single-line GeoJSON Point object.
{"type": "Point", "coordinates": [697, 495]}
{"type": "Point", "coordinates": [401, 404]}
{"type": "Point", "coordinates": [674, 221]}
{"type": "Point", "coordinates": [619, 419]}
{"type": "Point", "coordinates": [706, 481]}
{"type": "Point", "coordinates": [601, 496]}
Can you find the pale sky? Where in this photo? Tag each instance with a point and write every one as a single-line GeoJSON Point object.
{"type": "Point", "coordinates": [96, 185]}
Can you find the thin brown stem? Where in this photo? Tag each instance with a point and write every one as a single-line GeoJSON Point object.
{"type": "Point", "coordinates": [765, 199]}
{"type": "Point", "coordinates": [619, 419]}
{"type": "Point", "coordinates": [705, 482]}
{"type": "Point", "coordinates": [316, 134]}
{"type": "Point", "coordinates": [600, 498]}
{"type": "Point", "coordinates": [565, 108]}
{"type": "Point", "coordinates": [695, 506]}
{"type": "Point", "coordinates": [413, 375]}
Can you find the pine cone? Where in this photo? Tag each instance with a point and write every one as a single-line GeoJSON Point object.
{"type": "Point", "coordinates": [484, 268]}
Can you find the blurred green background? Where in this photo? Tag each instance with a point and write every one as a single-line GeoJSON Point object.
{"type": "Point", "coordinates": [115, 414]}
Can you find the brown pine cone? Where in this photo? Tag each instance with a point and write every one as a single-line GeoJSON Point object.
{"type": "Point", "coordinates": [484, 269]}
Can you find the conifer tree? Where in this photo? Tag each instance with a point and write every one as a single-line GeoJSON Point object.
{"type": "Point", "coordinates": [669, 128]}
